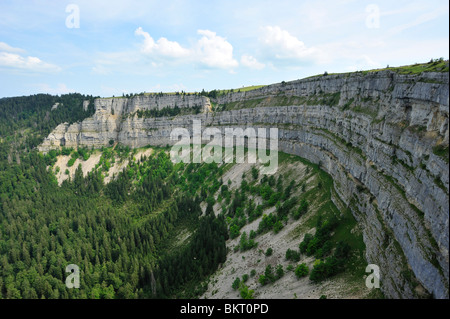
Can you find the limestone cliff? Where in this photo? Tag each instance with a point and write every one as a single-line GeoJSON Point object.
{"type": "Point", "coordinates": [382, 136]}
{"type": "Point", "coordinates": [107, 122]}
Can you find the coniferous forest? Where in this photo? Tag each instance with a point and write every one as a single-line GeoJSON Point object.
{"type": "Point", "coordinates": [156, 229]}
{"type": "Point", "coordinates": [117, 234]}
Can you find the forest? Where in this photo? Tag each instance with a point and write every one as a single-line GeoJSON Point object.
{"type": "Point", "coordinates": [31, 117]}
{"type": "Point", "coordinates": [115, 233]}
{"type": "Point", "coordinates": [123, 235]}
{"type": "Point", "coordinates": [115, 238]}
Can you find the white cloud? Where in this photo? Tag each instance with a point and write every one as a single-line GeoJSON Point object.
{"type": "Point", "coordinates": [283, 45]}
{"type": "Point", "coordinates": [251, 62]}
{"type": "Point", "coordinates": [210, 50]}
{"type": "Point", "coordinates": [5, 47]}
{"type": "Point", "coordinates": [29, 63]}
{"type": "Point", "coordinates": [162, 47]}
{"type": "Point", "coordinates": [215, 51]}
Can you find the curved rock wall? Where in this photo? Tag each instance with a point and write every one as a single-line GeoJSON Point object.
{"type": "Point", "coordinates": [376, 134]}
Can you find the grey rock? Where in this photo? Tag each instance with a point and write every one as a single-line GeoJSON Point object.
{"type": "Point", "coordinates": [380, 135]}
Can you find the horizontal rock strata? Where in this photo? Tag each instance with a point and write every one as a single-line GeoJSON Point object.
{"type": "Point", "coordinates": [377, 134]}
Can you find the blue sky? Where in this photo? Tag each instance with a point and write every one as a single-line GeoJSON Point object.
{"type": "Point", "coordinates": [151, 46]}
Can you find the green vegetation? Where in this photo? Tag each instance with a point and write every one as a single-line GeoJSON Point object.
{"type": "Point", "coordinates": [166, 111]}
{"type": "Point", "coordinates": [269, 276]}
{"type": "Point", "coordinates": [332, 265]}
{"type": "Point", "coordinates": [245, 292]}
{"type": "Point", "coordinates": [246, 104]}
{"type": "Point", "coordinates": [365, 110]}
{"type": "Point", "coordinates": [71, 162]}
{"type": "Point", "coordinates": [302, 209]}
{"type": "Point", "coordinates": [435, 65]}
{"type": "Point", "coordinates": [292, 255]}
{"type": "Point", "coordinates": [302, 270]}
{"type": "Point", "coordinates": [348, 104]}
{"type": "Point", "coordinates": [25, 121]}
{"type": "Point", "coordinates": [117, 233]}
{"type": "Point", "coordinates": [245, 243]}
{"type": "Point", "coordinates": [319, 244]}
{"type": "Point", "coordinates": [442, 151]}
{"type": "Point", "coordinates": [236, 283]}
{"type": "Point", "coordinates": [331, 99]}
{"type": "Point", "coordinates": [123, 235]}
{"type": "Point", "coordinates": [242, 89]}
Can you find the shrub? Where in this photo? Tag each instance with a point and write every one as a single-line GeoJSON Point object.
{"type": "Point", "coordinates": [234, 231]}
{"type": "Point", "coordinates": [266, 223]}
{"type": "Point", "coordinates": [66, 151]}
{"type": "Point", "coordinates": [302, 270]}
{"type": "Point", "coordinates": [71, 162]}
{"type": "Point", "coordinates": [313, 245]}
{"type": "Point", "coordinates": [274, 198]}
{"type": "Point", "coordinates": [245, 292]}
{"type": "Point", "coordinates": [302, 209]}
{"type": "Point", "coordinates": [269, 273]}
{"type": "Point", "coordinates": [262, 280]}
{"type": "Point", "coordinates": [320, 271]}
{"type": "Point", "coordinates": [304, 244]}
{"type": "Point", "coordinates": [245, 243]}
{"type": "Point", "coordinates": [279, 271]}
{"type": "Point", "coordinates": [278, 226]}
{"type": "Point", "coordinates": [255, 173]}
{"type": "Point", "coordinates": [292, 255]}
{"type": "Point", "coordinates": [332, 265]}
{"type": "Point", "coordinates": [326, 248]}
{"type": "Point", "coordinates": [236, 283]}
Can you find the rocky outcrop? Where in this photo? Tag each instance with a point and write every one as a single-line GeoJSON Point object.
{"type": "Point", "coordinates": [382, 136]}
{"type": "Point", "coordinates": [86, 105]}
{"type": "Point", "coordinates": [106, 124]}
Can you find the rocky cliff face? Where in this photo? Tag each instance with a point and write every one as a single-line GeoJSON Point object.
{"type": "Point", "coordinates": [382, 136]}
{"type": "Point", "coordinates": [107, 122]}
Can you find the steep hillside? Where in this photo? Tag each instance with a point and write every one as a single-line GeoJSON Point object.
{"type": "Point", "coordinates": [382, 136]}
{"type": "Point", "coordinates": [277, 213]}
{"type": "Point", "coordinates": [308, 192]}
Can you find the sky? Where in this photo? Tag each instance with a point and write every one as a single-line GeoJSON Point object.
{"type": "Point", "coordinates": [107, 48]}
